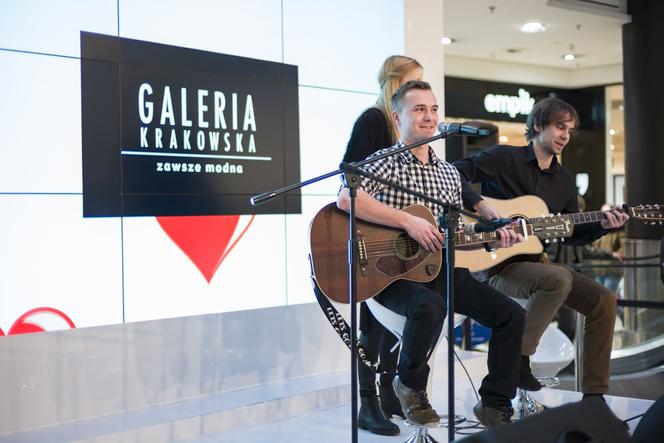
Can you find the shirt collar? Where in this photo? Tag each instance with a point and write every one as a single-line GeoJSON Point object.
{"type": "Point", "coordinates": [408, 156]}
{"type": "Point", "coordinates": [530, 157]}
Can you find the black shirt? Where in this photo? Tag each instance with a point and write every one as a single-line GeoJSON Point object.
{"type": "Point", "coordinates": [510, 171]}
{"type": "Point", "coordinates": [371, 132]}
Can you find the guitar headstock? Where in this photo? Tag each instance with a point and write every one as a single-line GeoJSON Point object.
{"type": "Point", "coordinates": [552, 227]}
{"type": "Point", "coordinates": [648, 213]}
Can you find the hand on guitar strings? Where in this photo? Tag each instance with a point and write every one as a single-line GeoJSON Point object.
{"type": "Point", "coordinates": [508, 237]}
{"type": "Point", "coordinates": [424, 233]}
{"type": "Point", "coordinates": [614, 218]}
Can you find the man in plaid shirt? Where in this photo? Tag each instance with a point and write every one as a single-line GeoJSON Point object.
{"type": "Point", "coordinates": [416, 116]}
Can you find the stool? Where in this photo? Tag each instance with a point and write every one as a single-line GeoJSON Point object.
{"type": "Point", "coordinates": [395, 323]}
{"type": "Point", "coordinates": [554, 352]}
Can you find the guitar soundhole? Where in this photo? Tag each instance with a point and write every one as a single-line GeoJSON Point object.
{"type": "Point", "coordinates": [405, 247]}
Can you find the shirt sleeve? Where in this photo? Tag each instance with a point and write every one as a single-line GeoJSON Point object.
{"type": "Point", "coordinates": [584, 233]}
{"type": "Point", "coordinates": [383, 168]}
{"type": "Point", "coordinates": [479, 168]}
{"type": "Point", "coordinates": [367, 130]}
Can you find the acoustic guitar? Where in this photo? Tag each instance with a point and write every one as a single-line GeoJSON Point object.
{"type": "Point", "coordinates": [535, 211]}
{"type": "Point", "coordinates": [387, 254]}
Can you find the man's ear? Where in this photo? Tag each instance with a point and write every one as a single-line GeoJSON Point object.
{"type": "Point", "coordinates": [395, 117]}
{"type": "Point", "coordinates": [537, 128]}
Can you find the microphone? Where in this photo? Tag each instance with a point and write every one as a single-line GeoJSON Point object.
{"type": "Point", "coordinates": [459, 129]}
{"type": "Point", "coordinates": [485, 226]}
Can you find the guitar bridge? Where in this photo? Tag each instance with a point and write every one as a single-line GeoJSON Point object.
{"type": "Point", "coordinates": [362, 255]}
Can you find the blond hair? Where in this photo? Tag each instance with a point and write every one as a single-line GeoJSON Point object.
{"type": "Point", "coordinates": [390, 76]}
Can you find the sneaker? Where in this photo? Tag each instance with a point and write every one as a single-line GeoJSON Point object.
{"type": "Point", "coordinates": [527, 381]}
{"type": "Point", "coordinates": [415, 404]}
{"type": "Point", "coordinates": [493, 416]}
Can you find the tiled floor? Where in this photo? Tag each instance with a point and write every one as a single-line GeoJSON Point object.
{"type": "Point", "coordinates": [294, 411]}
{"type": "Point", "coordinates": [333, 425]}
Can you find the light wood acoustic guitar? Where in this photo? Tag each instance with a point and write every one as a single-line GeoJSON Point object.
{"type": "Point", "coordinates": [535, 211]}
{"type": "Point", "coordinates": [387, 254]}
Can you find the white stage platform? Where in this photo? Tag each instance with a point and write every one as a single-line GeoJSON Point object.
{"type": "Point", "coordinates": [271, 375]}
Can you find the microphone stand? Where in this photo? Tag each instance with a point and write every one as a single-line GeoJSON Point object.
{"type": "Point", "coordinates": [351, 173]}
{"type": "Point", "coordinates": [449, 221]}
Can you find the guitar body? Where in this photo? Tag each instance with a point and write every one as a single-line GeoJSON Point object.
{"type": "Point", "coordinates": [384, 254]}
{"type": "Point", "coordinates": [528, 206]}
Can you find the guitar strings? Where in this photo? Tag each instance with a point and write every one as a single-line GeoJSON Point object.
{"type": "Point", "coordinates": [380, 247]}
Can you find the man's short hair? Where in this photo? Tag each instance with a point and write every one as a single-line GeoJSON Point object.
{"type": "Point", "coordinates": [546, 111]}
{"type": "Point", "coordinates": [397, 97]}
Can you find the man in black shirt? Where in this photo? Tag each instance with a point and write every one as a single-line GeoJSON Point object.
{"type": "Point", "coordinates": [507, 172]}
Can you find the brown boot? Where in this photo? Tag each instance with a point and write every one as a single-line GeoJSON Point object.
{"type": "Point", "coordinates": [415, 404]}
{"type": "Point", "coordinates": [492, 416]}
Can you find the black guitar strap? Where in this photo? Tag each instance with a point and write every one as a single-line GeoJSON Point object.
{"type": "Point", "coordinates": [340, 326]}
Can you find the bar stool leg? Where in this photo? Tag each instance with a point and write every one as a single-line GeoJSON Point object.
{"type": "Point", "coordinates": [421, 435]}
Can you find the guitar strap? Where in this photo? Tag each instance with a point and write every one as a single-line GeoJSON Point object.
{"type": "Point", "coordinates": [340, 326]}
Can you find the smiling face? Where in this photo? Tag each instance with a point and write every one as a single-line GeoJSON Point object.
{"type": "Point", "coordinates": [555, 136]}
{"type": "Point", "coordinates": [417, 117]}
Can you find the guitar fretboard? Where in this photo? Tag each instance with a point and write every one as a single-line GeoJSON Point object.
{"type": "Point", "coordinates": [463, 239]}
{"type": "Point", "coordinates": [586, 217]}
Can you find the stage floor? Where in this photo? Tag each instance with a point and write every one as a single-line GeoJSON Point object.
{"type": "Point", "coordinates": [310, 409]}
{"type": "Point", "coordinates": [333, 424]}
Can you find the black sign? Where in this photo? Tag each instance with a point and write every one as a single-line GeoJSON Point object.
{"type": "Point", "coordinates": [175, 131]}
{"type": "Point", "coordinates": [485, 100]}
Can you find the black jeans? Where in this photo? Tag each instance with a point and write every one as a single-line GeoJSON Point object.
{"type": "Point", "coordinates": [377, 343]}
{"type": "Point", "coordinates": [423, 307]}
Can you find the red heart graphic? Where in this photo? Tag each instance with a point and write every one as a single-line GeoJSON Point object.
{"type": "Point", "coordinates": [204, 239]}
{"type": "Point", "coordinates": [29, 322]}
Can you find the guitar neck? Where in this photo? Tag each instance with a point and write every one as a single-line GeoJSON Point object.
{"type": "Point", "coordinates": [463, 239]}
{"type": "Point", "coordinates": [585, 217]}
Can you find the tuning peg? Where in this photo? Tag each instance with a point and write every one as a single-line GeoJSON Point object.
{"type": "Point", "coordinates": [546, 240]}
{"type": "Point", "coordinates": [562, 239]}
{"type": "Point", "coordinates": [554, 240]}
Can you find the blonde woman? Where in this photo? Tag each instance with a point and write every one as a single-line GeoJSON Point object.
{"type": "Point", "coordinates": [375, 129]}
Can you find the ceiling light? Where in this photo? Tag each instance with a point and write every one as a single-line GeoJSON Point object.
{"type": "Point", "coordinates": [503, 139]}
{"type": "Point", "coordinates": [612, 132]}
{"type": "Point", "coordinates": [532, 27]}
{"type": "Point", "coordinates": [569, 55]}
{"type": "Point", "coordinates": [446, 40]}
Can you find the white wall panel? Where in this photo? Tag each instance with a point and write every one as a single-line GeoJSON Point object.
{"type": "Point", "coordinates": [341, 44]}
{"type": "Point", "coordinates": [248, 28]}
{"type": "Point", "coordinates": [54, 27]}
{"type": "Point", "coordinates": [40, 121]}
{"type": "Point", "coordinates": [326, 122]}
{"type": "Point", "coordinates": [162, 281]}
{"type": "Point", "coordinates": [338, 48]}
{"type": "Point", "coordinates": [53, 257]}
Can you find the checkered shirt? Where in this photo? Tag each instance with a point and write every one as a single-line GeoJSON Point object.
{"type": "Point", "coordinates": [437, 179]}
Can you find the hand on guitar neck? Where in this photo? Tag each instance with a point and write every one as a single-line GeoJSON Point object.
{"type": "Point", "coordinates": [614, 218]}
{"type": "Point", "coordinates": [508, 237]}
